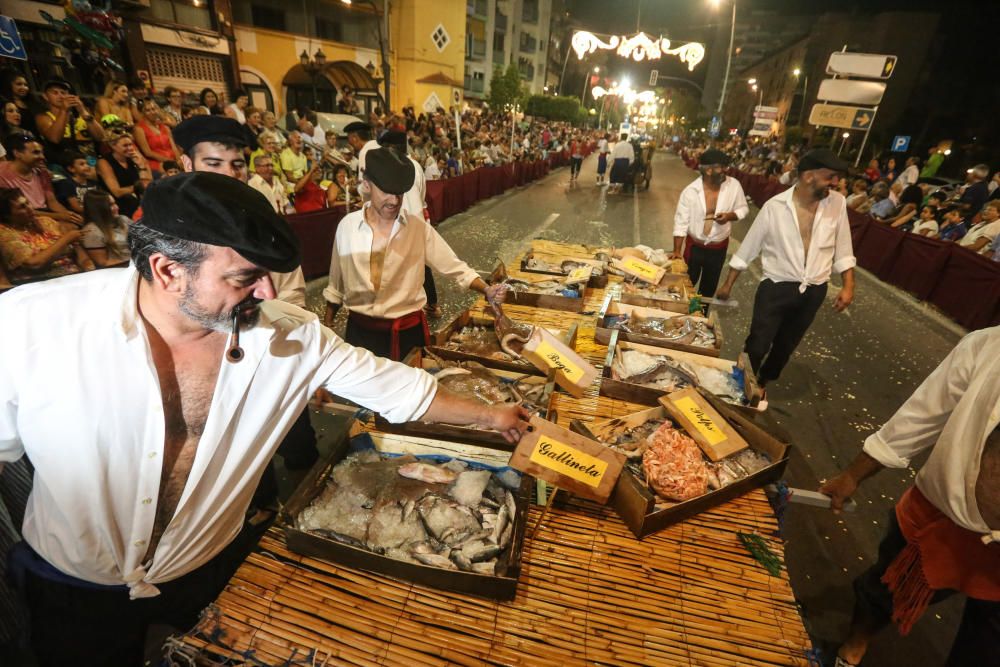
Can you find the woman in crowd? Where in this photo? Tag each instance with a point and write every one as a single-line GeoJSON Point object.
{"type": "Point", "coordinates": [342, 191]}
{"type": "Point", "coordinates": [10, 123]}
{"type": "Point", "coordinates": [859, 195]}
{"type": "Point", "coordinates": [33, 246]}
{"type": "Point", "coordinates": [270, 122]}
{"type": "Point", "coordinates": [890, 172]}
{"type": "Point", "coordinates": [238, 107]}
{"type": "Point", "coordinates": [254, 125]}
{"type": "Point", "coordinates": [115, 102]}
{"type": "Point", "coordinates": [153, 136]}
{"type": "Point", "coordinates": [105, 230]}
{"type": "Point", "coordinates": [268, 145]}
{"type": "Point", "coordinates": [210, 102]}
{"type": "Point", "coordinates": [14, 88]}
{"type": "Point", "coordinates": [124, 173]}
{"type": "Point", "coordinates": [309, 194]}
{"type": "Point", "coordinates": [173, 112]}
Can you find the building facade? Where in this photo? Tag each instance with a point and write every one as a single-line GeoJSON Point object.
{"type": "Point", "coordinates": [501, 32]}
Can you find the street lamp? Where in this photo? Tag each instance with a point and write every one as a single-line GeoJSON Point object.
{"type": "Point", "coordinates": [382, 32]}
{"type": "Point", "coordinates": [729, 56]}
{"type": "Point", "coordinates": [586, 80]}
{"type": "Point", "coordinates": [805, 89]}
{"type": "Point", "coordinates": [845, 136]}
{"type": "Point", "coordinates": [313, 66]}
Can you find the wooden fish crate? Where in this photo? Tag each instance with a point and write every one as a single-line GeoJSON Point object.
{"type": "Point", "coordinates": [468, 434]}
{"type": "Point", "coordinates": [548, 301]}
{"type": "Point", "coordinates": [644, 512]}
{"type": "Point", "coordinates": [612, 308]}
{"type": "Point", "coordinates": [470, 318]}
{"type": "Point", "coordinates": [597, 282]}
{"type": "Point", "coordinates": [501, 586]}
{"type": "Point", "coordinates": [637, 393]}
{"type": "Point", "coordinates": [679, 281]}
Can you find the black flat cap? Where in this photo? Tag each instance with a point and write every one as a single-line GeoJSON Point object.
{"type": "Point", "coordinates": [223, 211]}
{"type": "Point", "coordinates": [713, 157]}
{"type": "Point", "coordinates": [392, 138]}
{"type": "Point", "coordinates": [821, 158]}
{"type": "Point", "coordinates": [389, 171]}
{"type": "Point", "coordinates": [218, 129]}
{"type": "Point", "coordinates": [357, 126]}
{"type": "Point", "coordinates": [58, 83]}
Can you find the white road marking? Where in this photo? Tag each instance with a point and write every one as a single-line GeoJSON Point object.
{"type": "Point", "coordinates": [635, 216]}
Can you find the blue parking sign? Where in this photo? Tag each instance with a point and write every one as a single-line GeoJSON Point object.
{"type": "Point", "coordinates": [714, 126]}
{"type": "Point", "coordinates": [900, 144]}
{"type": "Point", "coordinates": [11, 45]}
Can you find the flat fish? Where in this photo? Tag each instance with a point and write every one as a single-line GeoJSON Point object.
{"type": "Point", "coordinates": [427, 472]}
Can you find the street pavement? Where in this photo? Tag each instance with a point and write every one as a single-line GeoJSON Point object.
{"type": "Point", "coordinates": [850, 373]}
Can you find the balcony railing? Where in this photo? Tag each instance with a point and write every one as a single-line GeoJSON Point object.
{"type": "Point", "coordinates": [477, 49]}
{"type": "Point", "coordinates": [473, 85]}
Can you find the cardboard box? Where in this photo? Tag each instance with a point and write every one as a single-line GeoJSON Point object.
{"type": "Point", "coordinates": [572, 372]}
{"type": "Point", "coordinates": [645, 513]}
{"type": "Point", "coordinates": [611, 309]}
{"type": "Point", "coordinates": [637, 393]}
{"type": "Point", "coordinates": [703, 423]}
{"type": "Point", "coordinates": [501, 586]}
{"type": "Point", "coordinates": [639, 269]}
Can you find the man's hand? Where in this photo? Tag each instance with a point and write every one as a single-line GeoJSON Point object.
{"type": "Point", "coordinates": [723, 218]}
{"type": "Point", "coordinates": [840, 489]}
{"type": "Point", "coordinates": [323, 396]}
{"type": "Point", "coordinates": [330, 314]}
{"type": "Point", "coordinates": [510, 420]}
{"type": "Point", "coordinates": [844, 299]}
{"type": "Point", "coordinates": [722, 294]}
{"type": "Point", "coordinates": [496, 293]}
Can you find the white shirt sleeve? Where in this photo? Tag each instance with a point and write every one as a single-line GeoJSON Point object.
{"type": "Point", "coordinates": [290, 287]}
{"type": "Point", "coordinates": [740, 206]}
{"type": "Point", "coordinates": [334, 290]}
{"type": "Point", "coordinates": [753, 243]}
{"type": "Point", "coordinates": [11, 448]}
{"type": "Point", "coordinates": [843, 251]}
{"type": "Point", "coordinates": [443, 259]}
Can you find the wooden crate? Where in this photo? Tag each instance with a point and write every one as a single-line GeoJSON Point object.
{"type": "Point", "coordinates": [676, 280]}
{"type": "Point", "coordinates": [611, 308]}
{"type": "Point", "coordinates": [531, 300]}
{"type": "Point", "coordinates": [596, 282]}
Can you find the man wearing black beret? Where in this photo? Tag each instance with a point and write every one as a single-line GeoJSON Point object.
{"type": "Point", "coordinates": [212, 143]}
{"type": "Point", "coordinates": [377, 267]}
{"type": "Point", "coordinates": [705, 212]}
{"type": "Point", "coordinates": [146, 463]}
{"type": "Point", "coordinates": [802, 234]}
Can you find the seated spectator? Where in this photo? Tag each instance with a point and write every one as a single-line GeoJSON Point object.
{"type": "Point", "coordinates": [173, 111]}
{"type": "Point", "coordinates": [994, 250]}
{"type": "Point", "coordinates": [124, 173]}
{"type": "Point", "coordinates": [82, 178]}
{"type": "Point", "coordinates": [309, 196]}
{"type": "Point", "coordinates": [10, 123]}
{"type": "Point", "coordinates": [882, 206]}
{"type": "Point", "coordinates": [33, 246]}
{"type": "Point", "coordinates": [926, 225]}
{"type": "Point", "coordinates": [891, 171]}
{"type": "Point", "coordinates": [138, 93]}
{"type": "Point", "coordinates": [254, 126]}
{"type": "Point", "coordinates": [342, 191]}
{"type": "Point", "coordinates": [981, 234]}
{"type": "Point", "coordinates": [170, 168]}
{"type": "Point", "coordinates": [952, 227]}
{"type": "Point", "coordinates": [433, 170]}
{"type": "Point", "coordinates": [14, 88]}
{"type": "Point", "coordinates": [268, 145]}
{"type": "Point", "coordinates": [115, 102]}
{"type": "Point", "coordinates": [873, 173]}
{"type": "Point", "coordinates": [269, 185]}
{"type": "Point", "coordinates": [976, 191]}
{"type": "Point", "coordinates": [270, 123]}
{"type": "Point", "coordinates": [911, 174]}
{"type": "Point", "coordinates": [25, 170]}
{"type": "Point", "coordinates": [859, 195]}
{"type": "Point", "coordinates": [66, 124]}
{"type": "Point", "coordinates": [210, 103]}
{"type": "Point", "coordinates": [936, 200]}
{"type": "Point", "coordinates": [294, 162]}
{"type": "Point", "coordinates": [237, 110]}
{"type": "Point", "coordinates": [105, 232]}
{"type": "Point", "coordinates": [153, 136]}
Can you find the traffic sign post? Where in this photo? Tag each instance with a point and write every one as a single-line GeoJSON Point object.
{"type": "Point", "coordinates": [11, 45]}
{"type": "Point", "coordinates": [867, 65]}
{"type": "Point", "coordinates": [850, 91]}
{"type": "Point", "coordinates": [839, 115]}
{"type": "Point", "coordinates": [653, 76]}
{"type": "Point", "coordinates": [713, 127]}
{"type": "Point", "coordinates": [900, 144]}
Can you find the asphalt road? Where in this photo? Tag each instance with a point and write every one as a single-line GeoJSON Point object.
{"type": "Point", "coordinates": [851, 372]}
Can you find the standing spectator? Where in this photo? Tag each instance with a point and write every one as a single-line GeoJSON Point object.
{"type": "Point", "coordinates": [66, 124]}
{"type": "Point", "coordinates": [309, 195]}
{"type": "Point", "coordinates": [265, 182]}
{"type": "Point", "coordinates": [115, 102]}
{"type": "Point", "coordinates": [294, 162]}
{"type": "Point", "coordinates": [926, 225]}
{"type": "Point", "coordinates": [976, 192]}
{"type": "Point", "coordinates": [82, 178]}
{"type": "Point", "coordinates": [35, 247]}
{"type": "Point", "coordinates": [432, 172]}
{"type": "Point", "coordinates": [153, 136]}
{"type": "Point", "coordinates": [934, 160]}
{"type": "Point", "coordinates": [210, 102]}
{"type": "Point", "coordinates": [911, 174]}
{"type": "Point", "coordinates": [124, 173]}
{"type": "Point", "coordinates": [25, 171]}
{"type": "Point", "coordinates": [873, 173]}
{"type": "Point", "coordinates": [347, 104]}
{"type": "Point", "coordinates": [981, 234]}
{"type": "Point", "coordinates": [575, 157]}
{"type": "Point", "coordinates": [105, 232]}
{"type": "Point", "coordinates": [174, 111]}
{"type": "Point", "coordinates": [238, 107]}
{"type": "Point", "coordinates": [14, 88]}
{"type": "Point", "coordinates": [602, 158]}
{"type": "Point", "coordinates": [953, 227]}
{"type": "Point", "coordinates": [890, 172]}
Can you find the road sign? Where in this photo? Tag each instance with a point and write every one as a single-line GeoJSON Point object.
{"type": "Point", "coordinates": [770, 113]}
{"type": "Point", "coordinates": [653, 76]}
{"type": "Point", "coordinates": [851, 92]}
{"type": "Point", "coordinates": [837, 115]}
{"type": "Point", "coordinates": [11, 45]}
{"type": "Point", "coordinates": [869, 65]}
{"type": "Point", "coordinates": [713, 127]}
{"type": "Point", "coordinates": [900, 144]}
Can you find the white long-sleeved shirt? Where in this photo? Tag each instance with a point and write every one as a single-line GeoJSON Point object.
{"type": "Point", "coordinates": [412, 244]}
{"type": "Point", "coordinates": [415, 198]}
{"type": "Point", "coordinates": [909, 176]}
{"type": "Point", "coordinates": [274, 191]}
{"type": "Point", "coordinates": [79, 395]}
{"type": "Point", "coordinates": [623, 149]}
{"type": "Point", "coordinates": [954, 411]}
{"type": "Point", "coordinates": [775, 236]}
{"type": "Point", "coordinates": [689, 218]}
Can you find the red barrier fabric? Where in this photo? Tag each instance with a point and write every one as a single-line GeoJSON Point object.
{"type": "Point", "coordinates": [968, 289]}
{"type": "Point", "coordinates": [316, 232]}
{"type": "Point", "coordinates": [434, 198]}
{"type": "Point", "coordinates": [879, 250]}
{"type": "Point", "coordinates": [918, 264]}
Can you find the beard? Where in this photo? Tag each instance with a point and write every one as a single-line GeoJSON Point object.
{"type": "Point", "coordinates": [221, 321]}
{"type": "Point", "coordinates": [717, 179]}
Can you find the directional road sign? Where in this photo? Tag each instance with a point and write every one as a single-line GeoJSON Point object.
{"type": "Point", "coordinates": [869, 65]}
{"type": "Point", "coordinates": [900, 144]}
{"type": "Point", "coordinates": [838, 115]}
{"type": "Point", "coordinates": [11, 45]}
{"type": "Point", "coordinates": [851, 92]}
{"type": "Point", "coordinates": [770, 113]}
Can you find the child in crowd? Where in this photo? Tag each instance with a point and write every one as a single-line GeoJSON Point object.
{"type": "Point", "coordinates": [82, 178]}
{"type": "Point", "coordinates": [926, 225]}
{"type": "Point", "coordinates": [170, 168]}
{"type": "Point", "coordinates": [953, 227]}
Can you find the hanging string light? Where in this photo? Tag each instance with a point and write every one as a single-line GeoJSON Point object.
{"type": "Point", "coordinates": [638, 47]}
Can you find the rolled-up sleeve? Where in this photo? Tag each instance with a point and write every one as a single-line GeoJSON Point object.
{"type": "Point", "coordinates": [443, 259]}
{"type": "Point", "coordinates": [753, 242]}
{"type": "Point", "coordinates": [740, 206]}
{"type": "Point", "coordinates": [843, 251]}
{"type": "Point", "coordinates": [918, 423]}
{"type": "Point", "coordinates": [334, 290]}
{"type": "Point", "coordinates": [682, 218]}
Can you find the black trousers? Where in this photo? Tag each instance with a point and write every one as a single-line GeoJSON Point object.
{"type": "Point", "coordinates": [380, 343]}
{"type": "Point", "coordinates": [978, 633]}
{"type": "Point", "coordinates": [100, 627]}
{"type": "Point", "coordinates": [574, 166]}
{"type": "Point", "coordinates": [706, 264]}
{"type": "Point", "coordinates": [430, 289]}
{"type": "Point", "coordinates": [781, 317]}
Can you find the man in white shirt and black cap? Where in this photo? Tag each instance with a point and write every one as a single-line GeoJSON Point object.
{"type": "Point", "coordinates": [705, 212]}
{"type": "Point", "coordinates": [801, 234]}
{"type": "Point", "coordinates": [377, 268]}
{"type": "Point", "coordinates": [178, 376]}
{"type": "Point", "coordinates": [359, 137]}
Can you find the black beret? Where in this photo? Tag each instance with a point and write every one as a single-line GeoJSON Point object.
{"type": "Point", "coordinates": [357, 126]}
{"type": "Point", "coordinates": [389, 171]}
{"type": "Point", "coordinates": [821, 158]}
{"type": "Point", "coordinates": [219, 129]}
{"type": "Point", "coordinates": [392, 138]}
{"type": "Point", "coordinates": [58, 83]}
{"type": "Point", "coordinates": [713, 157]}
{"type": "Point", "coordinates": [223, 211]}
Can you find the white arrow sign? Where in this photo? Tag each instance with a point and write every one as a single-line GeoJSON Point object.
{"type": "Point", "coordinates": [870, 65]}
{"type": "Point", "coordinates": [851, 92]}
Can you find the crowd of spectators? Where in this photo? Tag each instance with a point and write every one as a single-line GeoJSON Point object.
{"type": "Point", "coordinates": [899, 192]}
{"type": "Point", "coordinates": [73, 171]}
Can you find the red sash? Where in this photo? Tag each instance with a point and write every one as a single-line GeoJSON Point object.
{"type": "Point", "coordinates": [408, 321]}
{"type": "Point", "coordinates": [692, 241]}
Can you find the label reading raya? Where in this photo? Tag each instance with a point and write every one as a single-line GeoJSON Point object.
{"type": "Point", "coordinates": [641, 267]}
{"type": "Point", "coordinates": [568, 461]}
{"type": "Point", "coordinates": [555, 359]}
{"type": "Point", "coordinates": [701, 421]}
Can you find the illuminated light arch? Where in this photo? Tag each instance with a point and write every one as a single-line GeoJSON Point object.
{"type": "Point", "coordinates": [638, 47]}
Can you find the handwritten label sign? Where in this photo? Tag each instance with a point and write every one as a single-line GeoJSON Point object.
{"type": "Point", "coordinates": [554, 359]}
{"type": "Point", "coordinates": [548, 353]}
{"type": "Point", "coordinates": [568, 460]}
{"type": "Point", "coordinates": [641, 269]}
{"type": "Point", "coordinates": [716, 437]}
{"type": "Point", "coordinates": [700, 420]}
{"type": "Point", "coordinates": [578, 275]}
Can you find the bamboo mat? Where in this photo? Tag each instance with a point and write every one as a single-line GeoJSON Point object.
{"type": "Point", "coordinates": [589, 591]}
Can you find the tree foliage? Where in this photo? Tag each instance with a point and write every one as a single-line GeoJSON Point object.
{"type": "Point", "coordinates": [506, 88]}
{"type": "Point", "coordinates": [554, 108]}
